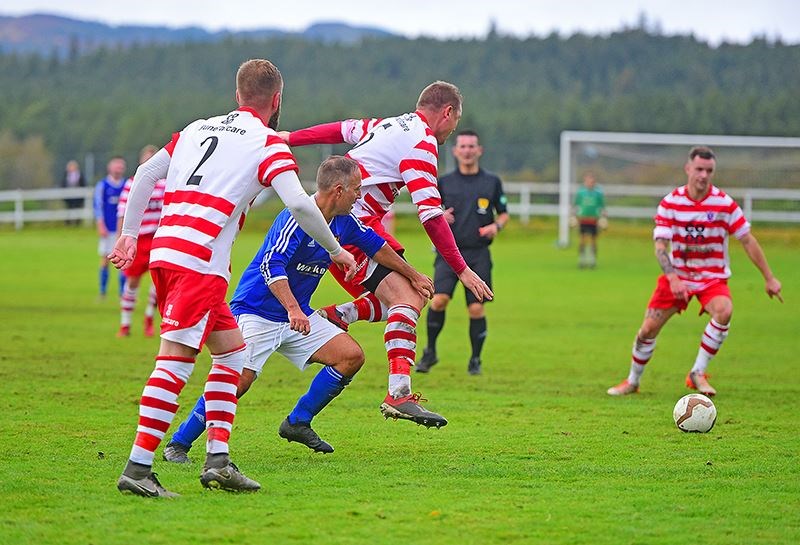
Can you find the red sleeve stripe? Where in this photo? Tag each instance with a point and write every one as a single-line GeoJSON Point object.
{"type": "Point", "coordinates": [435, 202]}
{"type": "Point", "coordinates": [737, 224]}
{"type": "Point", "coordinates": [267, 181]}
{"type": "Point", "coordinates": [170, 147]}
{"type": "Point", "coordinates": [184, 246]}
{"type": "Point", "coordinates": [419, 183]}
{"type": "Point", "coordinates": [427, 146]}
{"type": "Point", "coordinates": [270, 161]}
{"type": "Point", "coordinates": [274, 139]}
{"type": "Point", "coordinates": [198, 224]}
{"type": "Point", "coordinates": [199, 198]}
{"type": "Point", "coordinates": [417, 164]}
{"type": "Point", "coordinates": [364, 126]}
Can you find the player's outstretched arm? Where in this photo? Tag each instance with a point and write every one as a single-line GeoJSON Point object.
{"type": "Point", "coordinates": [124, 252]}
{"type": "Point", "coordinates": [756, 255]}
{"type": "Point", "coordinates": [298, 321]}
{"type": "Point", "coordinates": [387, 257]}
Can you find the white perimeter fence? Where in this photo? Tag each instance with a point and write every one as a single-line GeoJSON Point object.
{"type": "Point", "coordinates": [526, 200]}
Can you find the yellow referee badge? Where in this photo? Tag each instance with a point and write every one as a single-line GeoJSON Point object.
{"type": "Point", "coordinates": [483, 204]}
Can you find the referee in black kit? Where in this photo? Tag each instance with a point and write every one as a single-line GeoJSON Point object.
{"type": "Point", "coordinates": [471, 197]}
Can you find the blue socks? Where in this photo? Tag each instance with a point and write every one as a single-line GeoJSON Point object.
{"type": "Point", "coordinates": [193, 427]}
{"type": "Point", "coordinates": [328, 384]}
{"type": "Point", "coordinates": [103, 280]}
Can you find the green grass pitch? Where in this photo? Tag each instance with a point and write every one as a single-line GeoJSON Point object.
{"type": "Point", "coordinates": [535, 451]}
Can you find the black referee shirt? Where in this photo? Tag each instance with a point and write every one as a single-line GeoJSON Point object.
{"type": "Point", "coordinates": [475, 199]}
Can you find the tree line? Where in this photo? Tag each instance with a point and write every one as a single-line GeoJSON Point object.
{"type": "Point", "coordinates": [520, 93]}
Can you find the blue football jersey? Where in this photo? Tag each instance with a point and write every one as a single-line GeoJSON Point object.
{"type": "Point", "coordinates": [106, 198]}
{"type": "Point", "coordinates": [288, 252]}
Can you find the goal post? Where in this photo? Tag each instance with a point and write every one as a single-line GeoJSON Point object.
{"type": "Point", "coordinates": [645, 165]}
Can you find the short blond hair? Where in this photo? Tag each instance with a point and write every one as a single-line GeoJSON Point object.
{"type": "Point", "coordinates": [257, 80]}
{"type": "Point", "coordinates": [439, 94]}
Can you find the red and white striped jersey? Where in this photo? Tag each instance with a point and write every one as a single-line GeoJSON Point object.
{"type": "Point", "coordinates": [395, 152]}
{"type": "Point", "coordinates": [153, 211]}
{"type": "Point", "coordinates": [217, 167]}
{"type": "Point", "coordinates": [698, 232]}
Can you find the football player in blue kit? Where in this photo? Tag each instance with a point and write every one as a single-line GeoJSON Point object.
{"type": "Point", "coordinates": [272, 307]}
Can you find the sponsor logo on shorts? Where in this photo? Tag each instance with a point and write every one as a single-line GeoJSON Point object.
{"type": "Point", "coordinates": [170, 321]}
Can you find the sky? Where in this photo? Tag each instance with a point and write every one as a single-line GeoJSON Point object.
{"type": "Point", "coordinates": [711, 20]}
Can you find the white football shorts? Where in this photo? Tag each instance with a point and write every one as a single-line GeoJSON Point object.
{"type": "Point", "coordinates": [264, 337]}
{"type": "Point", "coordinates": [106, 244]}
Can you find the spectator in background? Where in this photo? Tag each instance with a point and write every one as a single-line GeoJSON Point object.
{"type": "Point", "coordinates": [73, 177]}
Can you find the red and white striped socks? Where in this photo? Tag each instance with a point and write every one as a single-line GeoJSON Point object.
{"type": "Point", "coordinates": [127, 302]}
{"type": "Point", "coordinates": [400, 339]}
{"type": "Point", "coordinates": [159, 404]}
{"type": "Point", "coordinates": [221, 400]}
{"type": "Point", "coordinates": [713, 337]}
{"type": "Point", "coordinates": [150, 309]}
{"type": "Point", "coordinates": [641, 354]}
{"type": "Point", "coordinates": [367, 308]}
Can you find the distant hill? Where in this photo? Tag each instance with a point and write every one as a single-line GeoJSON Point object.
{"type": "Point", "coordinates": [48, 34]}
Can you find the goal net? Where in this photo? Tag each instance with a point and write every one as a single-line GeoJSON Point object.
{"type": "Point", "coordinates": [635, 170]}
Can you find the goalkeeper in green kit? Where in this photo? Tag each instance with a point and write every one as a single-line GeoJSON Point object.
{"type": "Point", "coordinates": [589, 215]}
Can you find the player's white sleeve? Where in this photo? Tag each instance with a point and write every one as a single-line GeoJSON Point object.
{"type": "Point", "coordinates": [304, 210]}
{"type": "Point", "coordinates": [144, 181]}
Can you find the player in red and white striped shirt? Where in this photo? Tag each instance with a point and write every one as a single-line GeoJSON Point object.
{"type": "Point", "coordinates": [214, 169]}
{"type": "Point", "coordinates": [393, 153]}
{"type": "Point", "coordinates": [141, 264]}
{"type": "Point", "coordinates": [693, 224]}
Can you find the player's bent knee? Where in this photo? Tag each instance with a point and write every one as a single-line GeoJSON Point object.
{"type": "Point", "coordinates": [439, 302]}
{"type": "Point", "coordinates": [246, 380]}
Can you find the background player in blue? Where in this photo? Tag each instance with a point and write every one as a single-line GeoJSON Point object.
{"type": "Point", "coordinates": [106, 197]}
{"type": "Point", "coordinates": [272, 306]}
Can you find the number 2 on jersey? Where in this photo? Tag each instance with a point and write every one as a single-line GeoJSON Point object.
{"type": "Point", "coordinates": [195, 178]}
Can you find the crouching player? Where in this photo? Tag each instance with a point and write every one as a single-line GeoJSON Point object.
{"type": "Point", "coordinates": [272, 307]}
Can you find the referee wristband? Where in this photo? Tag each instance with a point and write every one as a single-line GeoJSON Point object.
{"type": "Point", "coordinates": [499, 227]}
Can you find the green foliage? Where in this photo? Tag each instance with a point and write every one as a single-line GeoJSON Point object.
{"type": "Point", "coordinates": [535, 451]}
{"type": "Point", "coordinates": [24, 163]}
{"type": "Point", "coordinates": [519, 93]}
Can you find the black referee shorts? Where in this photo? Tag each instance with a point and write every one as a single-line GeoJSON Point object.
{"type": "Point", "coordinates": [445, 280]}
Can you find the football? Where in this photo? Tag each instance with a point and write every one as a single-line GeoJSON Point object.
{"type": "Point", "coordinates": [695, 413]}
